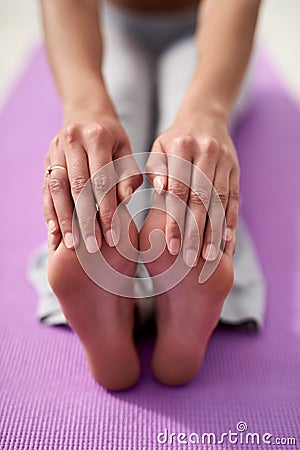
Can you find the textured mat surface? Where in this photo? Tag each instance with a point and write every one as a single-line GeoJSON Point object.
{"type": "Point", "coordinates": [48, 399]}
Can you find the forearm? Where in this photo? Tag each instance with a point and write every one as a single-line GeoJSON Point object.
{"type": "Point", "coordinates": [74, 46]}
{"type": "Point", "coordinates": [224, 42]}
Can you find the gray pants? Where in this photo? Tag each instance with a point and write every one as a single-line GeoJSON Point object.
{"type": "Point", "coordinates": [148, 63]}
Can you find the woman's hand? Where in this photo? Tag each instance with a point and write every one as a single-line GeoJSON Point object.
{"type": "Point", "coordinates": [204, 141]}
{"type": "Point", "coordinates": [87, 143]}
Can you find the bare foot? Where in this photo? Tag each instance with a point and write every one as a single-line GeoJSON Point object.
{"type": "Point", "coordinates": [188, 313]}
{"type": "Point", "coordinates": [103, 322]}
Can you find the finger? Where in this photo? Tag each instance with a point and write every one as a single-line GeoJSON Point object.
{"type": "Point", "coordinates": [61, 196]}
{"type": "Point", "coordinates": [198, 204]}
{"type": "Point", "coordinates": [81, 190]}
{"type": "Point", "coordinates": [204, 166]}
{"type": "Point", "coordinates": [233, 205]}
{"type": "Point", "coordinates": [156, 168]}
{"type": "Point", "coordinates": [230, 246]}
{"type": "Point", "coordinates": [99, 147]}
{"type": "Point", "coordinates": [53, 241]}
{"type": "Point", "coordinates": [179, 179]}
{"type": "Point", "coordinates": [214, 228]}
{"type": "Point", "coordinates": [128, 173]}
{"type": "Point", "coordinates": [218, 204]}
{"type": "Point", "coordinates": [50, 217]}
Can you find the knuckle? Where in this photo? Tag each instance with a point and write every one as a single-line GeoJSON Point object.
{"type": "Point", "coordinates": [222, 195]}
{"type": "Point", "coordinates": [184, 142]}
{"type": "Point", "coordinates": [64, 222]}
{"type": "Point", "coordinates": [87, 224]}
{"type": "Point", "coordinates": [178, 189]}
{"type": "Point", "coordinates": [97, 133]}
{"type": "Point", "coordinates": [106, 216]}
{"type": "Point", "coordinates": [218, 199]}
{"type": "Point", "coordinates": [210, 147]}
{"type": "Point", "coordinates": [54, 142]}
{"type": "Point", "coordinates": [226, 152]}
{"type": "Point", "coordinates": [71, 133]}
{"type": "Point", "coordinates": [102, 182]}
{"type": "Point", "coordinates": [200, 196]}
{"type": "Point", "coordinates": [57, 185]}
{"type": "Point", "coordinates": [77, 184]}
{"type": "Point", "coordinates": [234, 194]}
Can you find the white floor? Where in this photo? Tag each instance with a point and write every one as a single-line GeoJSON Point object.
{"type": "Point", "coordinates": [20, 30]}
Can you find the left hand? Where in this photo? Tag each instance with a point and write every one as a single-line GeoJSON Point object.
{"type": "Point", "coordinates": [203, 141]}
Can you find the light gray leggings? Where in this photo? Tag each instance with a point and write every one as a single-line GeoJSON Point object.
{"type": "Point", "coordinates": [148, 64]}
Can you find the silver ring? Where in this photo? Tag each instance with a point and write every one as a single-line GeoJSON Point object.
{"type": "Point", "coordinates": [50, 168]}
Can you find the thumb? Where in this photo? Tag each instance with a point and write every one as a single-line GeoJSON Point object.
{"type": "Point", "coordinates": [128, 173]}
{"type": "Point", "coordinates": [157, 169]}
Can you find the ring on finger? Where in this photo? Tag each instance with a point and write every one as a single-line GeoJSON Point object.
{"type": "Point", "coordinates": [51, 168]}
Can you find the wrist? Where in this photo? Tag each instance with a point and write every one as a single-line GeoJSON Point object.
{"type": "Point", "coordinates": [205, 100]}
{"type": "Point", "coordinates": [88, 112]}
{"type": "Point", "coordinates": [91, 100]}
{"type": "Point", "coordinates": [202, 106]}
{"type": "Point", "coordinates": [206, 114]}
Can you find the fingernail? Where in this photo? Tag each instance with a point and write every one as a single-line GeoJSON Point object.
{"type": "Point", "coordinates": [210, 252]}
{"type": "Point", "coordinates": [127, 194]}
{"type": "Point", "coordinates": [158, 184]}
{"type": "Point", "coordinates": [69, 241]}
{"type": "Point", "coordinates": [91, 244]}
{"type": "Point", "coordinates": [228, 234]}
{"type": "Point", "coordinates": [174, 246]}
{"type": "Point", "coordinates": [51, 226]}
{"type": "Point", "coordinates": [190, 257]}
{"type": "Point", "coordinates": [111, 238]}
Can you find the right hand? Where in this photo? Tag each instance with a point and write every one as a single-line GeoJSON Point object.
{"type": "Point", "coordinates": [83, 147]}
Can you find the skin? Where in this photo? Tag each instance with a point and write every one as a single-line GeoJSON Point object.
{"type": "Point", "coordinates": [103, 322]}
{"type": "Point", "coordinates": [92, 136]}
{"type": "Point", "coordinates": [186, 314]}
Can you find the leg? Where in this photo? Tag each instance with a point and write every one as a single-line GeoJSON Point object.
{"type": "Point", "coordinates": [104, 322]}
{"type": "Point", "coordinates": [173, 82]}
{"type": "Point", "coordinates": [186, 314]}
{"type": "Point", "coordinates": [128, 72]}
{"type": "Point", "coordinates": [246, 302]}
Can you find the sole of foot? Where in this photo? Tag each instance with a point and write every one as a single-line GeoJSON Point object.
{"type": "Point", "coordinates": [104, 322]}
{"type": "Point", "coordinates": [186, 314]}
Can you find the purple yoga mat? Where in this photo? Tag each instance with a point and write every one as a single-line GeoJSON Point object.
{"type": "Point", "coordinates": [48, 399]}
